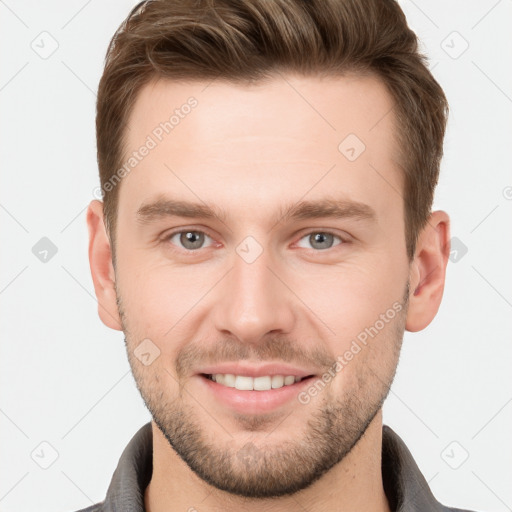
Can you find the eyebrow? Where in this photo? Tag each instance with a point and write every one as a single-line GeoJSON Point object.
{"type": "Point", "coordinates": [164, 207]}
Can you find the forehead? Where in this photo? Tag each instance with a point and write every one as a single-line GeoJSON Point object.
{"type": "Point", "coordinates": [284, 105]}
{"type": "Point", "coordinates": [240, 144]}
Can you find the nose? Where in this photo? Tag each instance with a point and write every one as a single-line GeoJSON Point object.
{"type": "Point", "coordinates": [254, 301]}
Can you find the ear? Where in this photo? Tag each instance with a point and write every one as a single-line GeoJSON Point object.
{"type": "Point", "coordinates": [102, 270]}
{"type": "Point", "coordinates": [428, 271]}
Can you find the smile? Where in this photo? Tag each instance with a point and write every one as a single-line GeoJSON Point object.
{"type": "Point", "coordinates": [247, 383]}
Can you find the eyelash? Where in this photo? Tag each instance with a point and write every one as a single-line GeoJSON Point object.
{"type": "Point", "coordinates": [343, 241]}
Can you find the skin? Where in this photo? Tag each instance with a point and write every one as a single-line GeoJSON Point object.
{"type": "Point", "coordinates": [252, 150]}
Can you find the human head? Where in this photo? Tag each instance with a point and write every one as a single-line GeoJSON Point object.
{"type": "Point", "coordinates": [250, 149]}
{"type": "Point", "coordinates": [245, 42]}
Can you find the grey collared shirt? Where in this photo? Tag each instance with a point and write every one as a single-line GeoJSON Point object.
{"type": "Point", "coordinates": [405, 487]}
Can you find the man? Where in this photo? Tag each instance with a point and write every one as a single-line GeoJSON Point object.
{"type": "Point", "coordinates": [265, 238]}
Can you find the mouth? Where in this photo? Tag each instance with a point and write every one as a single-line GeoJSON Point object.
{"type": "Point", "coordinates": [249, 395]}
{"type": "Point", "coordinates": [248, 383]}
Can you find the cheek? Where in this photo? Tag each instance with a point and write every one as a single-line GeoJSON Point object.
{"type": "Point", "coordinates": [366, 363]}
{"type": "Point", "coordinates": [351, 296]}
{"type": "Point", "coordinates": [152, 292]}
{"type": "Point", "coordinates": [166, 305]}
{"type": "Point", "coordinates": [362, 306]}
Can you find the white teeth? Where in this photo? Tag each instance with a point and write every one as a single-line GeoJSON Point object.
{"type": "Point", "coordinates": [264, 383]}
{"type": "Point", "coordinates": [277, 381]}
{"type": "Point", "coordinates": [244, 383]}
{"type": "Point", "coordinates": [229, 380]}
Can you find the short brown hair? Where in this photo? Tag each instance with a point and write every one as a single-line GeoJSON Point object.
{"type": "Point", "coordinates": [244, 41]}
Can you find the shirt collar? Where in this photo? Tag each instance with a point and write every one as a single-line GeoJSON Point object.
{"type": "Point", "coordinates": [404, 485]}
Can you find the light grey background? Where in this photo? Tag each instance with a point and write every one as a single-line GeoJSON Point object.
{"type": "Point", "coordinates": [64, 376]}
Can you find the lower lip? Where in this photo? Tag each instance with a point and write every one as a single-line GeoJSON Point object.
{"type": "Point", "coordinates": [254, 402]}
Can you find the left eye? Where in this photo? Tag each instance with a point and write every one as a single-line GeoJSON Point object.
{"type": "Point", "coordinates": [320, 240]}
{"type": "Point", "coordinates": [189, 240]}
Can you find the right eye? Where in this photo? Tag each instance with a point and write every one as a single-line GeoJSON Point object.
{"type": "Point", "coordinates": [188, 239]}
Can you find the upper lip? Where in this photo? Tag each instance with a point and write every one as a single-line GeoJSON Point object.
{"type": "Point", "coordinates": [249, 370]}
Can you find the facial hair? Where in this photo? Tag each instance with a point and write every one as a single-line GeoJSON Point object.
{"type": "Point", "coordinates": [265, 470]}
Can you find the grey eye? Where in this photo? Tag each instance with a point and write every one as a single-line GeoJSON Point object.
{"type": "Point", "coordinates": [320, 240]}
{"type": "Point", "coordinates": [190, 240]}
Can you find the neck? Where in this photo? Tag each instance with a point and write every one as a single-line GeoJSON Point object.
{"type": "Point", "coordinates": [355, 483]}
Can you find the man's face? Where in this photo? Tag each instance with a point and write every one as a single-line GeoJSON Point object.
{"type": "Point", "coordinates": [256, 292]}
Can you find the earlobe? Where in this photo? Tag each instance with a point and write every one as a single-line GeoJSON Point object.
{"type": "Point", "coordinates": [428, 271]}
{"type": "Point", "coordinates": [102, 270]}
